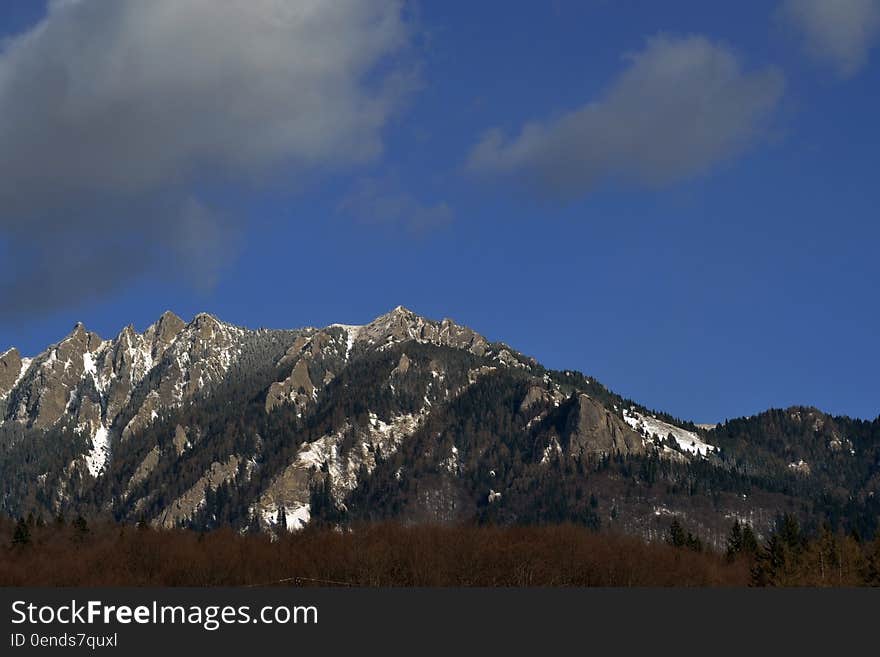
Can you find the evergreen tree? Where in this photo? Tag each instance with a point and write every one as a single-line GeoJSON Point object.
{"type": "Point", "coordinates": [81, 527]}
{"type": "Point", "coordinates": [22, 534]}
{"type": "Point", "coordinates": [676, 536]}
{"type": "Point", "coordinates": [749, 540]}
{"type": "Point", "coordinates": [872, 567]}
{"type": "Point", "coordinates": [694, 543]}
{"type": "Point", "coordinates": [734, 541]}
{"type": "Point", "coordinates": [282, 519]}
{"type": "Point", "coordinates": [790, 533]}
{"type": "Point", "coordinates": [770, 563]}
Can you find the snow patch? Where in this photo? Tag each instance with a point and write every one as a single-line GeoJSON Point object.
{"type": "Point", "coordinates": [96, 459]}
{"type": "Point", "coordinates": [294, 519]}
{"type": "Point", "coordinates": [649, 426]}
{"type": "Point", "coordinates": [801, 467]}
{"type": "Point", "coordinates": [386, 436]}
{"type": "Point", "coordinates": [89, 364]}
{"type": "Point", "coordinates": [553, 448]}
{"type": "Point", "coordinates": [351, 331]}
{"type": "Point", "coordinates": [289, 489]}
{"type": "Point", "coordinates": [452, 463]}
{"type": "Point", "coordinates": [25, 365]}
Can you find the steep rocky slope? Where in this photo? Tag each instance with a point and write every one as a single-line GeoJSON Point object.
{"type": "Point", "coordinates": [204, 423]}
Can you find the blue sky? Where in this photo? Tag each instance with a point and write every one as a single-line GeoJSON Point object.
{"type": "Point", "coordinates": [704, 241]}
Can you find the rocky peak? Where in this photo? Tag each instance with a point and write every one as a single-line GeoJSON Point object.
{"type": "Point", "coordinates": [131, 355]}
{"type": "Point", "coordinates": [402, 324]}
{"type": "Point", "coordinates": [127, 334]}
{"type": "Point", "coordinates": [207, 329]}
{"type": "Point", "coordinates": [200, 355]}
{"type": "Point", "coordinates": [10, 370]}
{"type": "Point", "coordinates": [80, 339]}
{"type": "Point", "coordinates": [399, 324]}
{"type": "Point", "coordinates": [50, 387]}
{"type": "Point", "coordinates": [402, 312]}
{"type": "Point", "coordinates": [204, 319]}
{"type": "Point", "coordinates": [165, 329]}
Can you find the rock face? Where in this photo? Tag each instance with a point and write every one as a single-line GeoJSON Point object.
{"type": "Point", "coordinates": [290, 492]}
{"type": "Point", "coordinates": [297, 388]}
{"type": "Point", "coordinates": [319, 357]}
{"type": "Point", "coordinates": [402, 324]}
{"type": "Point", "coordinates": [52, 385]}
{"type": "Point", "coordinates": [86, 378]}
{"type": "Point", "coordinates": [109, 390]}
{"type": "Point", "coordinates": [593, 430]}
{"type": "Point", "coordinates": [10, 370]}
{"type": "Point", "coordinates": [114, 389]}
{"type": "Point", "coordinates": [535, 395]}
{"type": "Point", "coordinates": [187, 359]}
{"type": "Point", "coordinates": [202, 422]}
{"type": "Point", "coordinates": [190, 502]}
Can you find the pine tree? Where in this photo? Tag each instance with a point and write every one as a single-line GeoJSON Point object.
{"type": "Point", "coordinates": [677, 536]}
{"type": "Point", "coordinates": [22, 534]}
{"type": "Point", "coordinates": [790, 533]}
{"type": "Point", "coordinates": [694, 543]}
{"type": "Point", "coordinates": [771, 563]}
{"type": "Point", "coordinates": [734, 541]}
{"type": "Point", "coordinates": [872, 567]}
{"type": "Point", "coordinates": [81, 527]}
{"type": "Point", "coordinates": [282, 519]}
{"type": "Point", "coordinates": [749, 540]}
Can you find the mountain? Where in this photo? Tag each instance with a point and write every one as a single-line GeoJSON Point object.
{"type": "Point", "coordinates": [203, 424]}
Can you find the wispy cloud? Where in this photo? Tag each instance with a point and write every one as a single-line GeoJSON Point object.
{"type": "Point", "coordinates": [839, 32]}
{"type": "Point", "coordinates": [382, 201]}
{"type": "Point", "coordinates": [681, 106]}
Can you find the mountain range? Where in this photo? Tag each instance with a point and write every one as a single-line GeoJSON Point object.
{"type": "Point", "coordinates": [204, 424]}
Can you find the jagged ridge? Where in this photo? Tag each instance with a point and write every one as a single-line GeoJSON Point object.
{"type": "Point", "coordinates": [203, 423]}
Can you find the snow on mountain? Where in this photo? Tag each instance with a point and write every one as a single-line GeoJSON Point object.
{"type": "Point", "coordinates": [402, 324]}
{"type": "Point", "coordinates": [291, 490]}
{"type": "Point", "coordinates": [112, 391]}
{"type": "Point", "coordinates": [649, 426]}
{"type": "Point", "coordinates": [351, 331]}
{"type": "Point", "coordinates": [12, 370]}
{"type": "Point", "coordinates": [97, 458]}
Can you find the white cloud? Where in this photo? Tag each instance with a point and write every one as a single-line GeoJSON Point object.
{"type": "Point", "coordinates": [680, 107]}
{"type": "Point", "coordinates": [840, 32]}
{"type": "Point", "coordinates": [108, 105]}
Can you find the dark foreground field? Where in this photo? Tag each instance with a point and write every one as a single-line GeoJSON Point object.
{"type": "Point", "coordinates": [75, 554]}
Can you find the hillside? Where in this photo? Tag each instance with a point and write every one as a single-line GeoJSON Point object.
{"type": "Point", "coordinates": [205, 424]}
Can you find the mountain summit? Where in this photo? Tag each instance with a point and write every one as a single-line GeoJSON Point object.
{"type": "Point", "coordinates": [203, 424]}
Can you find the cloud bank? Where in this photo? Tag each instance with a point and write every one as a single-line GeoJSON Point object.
{"type": "Point", "coordinates": [115, 111]}
{"type": "Point", "coordinates": [839, 32]}
{"type": "Point", "coordinates": [681, 106]}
